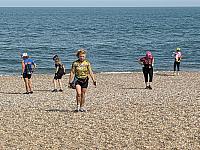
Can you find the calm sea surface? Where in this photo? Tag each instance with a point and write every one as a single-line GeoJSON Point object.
{"type": "Point", "coordinates": [113, 37]}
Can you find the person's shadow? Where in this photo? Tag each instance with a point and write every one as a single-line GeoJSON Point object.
{"type": "Point", "coordinates": [64, 110]}
{"type": "Point", "coordinates": [12, 93]}
{"type": "Point", "coordinates": [132, 88]}
{"type": "Point", "coordinates": [16, 93]}
{"type": "Point", "coordinates": [57, 110]}
{"type": "Point", "coordinates": [43, 90]}
{"type": "Point", "coordinates": [164, 74]}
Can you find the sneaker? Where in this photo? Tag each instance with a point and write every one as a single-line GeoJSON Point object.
{"type": "Point", "coordinates": [60, 90]}
{"type": "Point", "coordinates": [76, 110]}
{"type": "Point", "coordinates": [150, 87]}
{"type": "Point", "coordinates": [82, 110]}
{"type": "Point", "coordinates": [31, 92]}
{"type": "Point", "coordinates": [55, 90]}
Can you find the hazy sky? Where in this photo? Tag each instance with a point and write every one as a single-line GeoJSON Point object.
{"type": "Point", "coordinates": [130, 3]}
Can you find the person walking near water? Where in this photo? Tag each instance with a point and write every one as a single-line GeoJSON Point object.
{"type": "Point", "coordinates": [147, 63]}
{"type": "Point", "coordinates": [79, 76]}
{"type": "Point", "coordinates": [177, 60]}
{"type": "Point", "coordinates": [60, 71]}
{"type": "Point", "coordinates": [28, 66]}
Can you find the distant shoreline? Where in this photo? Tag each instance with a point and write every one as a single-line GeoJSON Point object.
{"type": "Point", "coordinates": [106, 73]}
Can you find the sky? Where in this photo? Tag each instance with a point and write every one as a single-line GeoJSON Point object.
{"type": "Point", "coordinates": [99, 3]}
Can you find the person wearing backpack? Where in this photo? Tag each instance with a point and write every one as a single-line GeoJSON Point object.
{"type": "Point", "coordinates": [177, 60]}
{"type": "Point", "coordinates": [60, 71]}
{"type": "Point", "coordinates": [147, 63]}
{"type": "Point", "coordinates": [28, 66]}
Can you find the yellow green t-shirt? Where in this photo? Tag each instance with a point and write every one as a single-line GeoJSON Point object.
{"type": "Point", "coordinates": [81, 69]}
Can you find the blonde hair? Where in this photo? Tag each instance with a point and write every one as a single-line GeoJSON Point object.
{"type": "Point", "coordinates": [80, 51]}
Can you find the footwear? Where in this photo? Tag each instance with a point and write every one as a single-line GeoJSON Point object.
{"type": "Point", "coordinates": [60, 90]}
{"type": "Point", "coordinates": [55, 90]}
{"type": "Point", "coordinates": [146, 87]}
{"type": "Point", "coordinates": [26, 93]}
{"type": "Point", "coordinates": [31, 92]}
{"type": "Point", "coordinates": [150, 87]}
{"type": "Point", "coordinates": [76, 110]}
{"type": "Point", "coordinates": [82, 110]}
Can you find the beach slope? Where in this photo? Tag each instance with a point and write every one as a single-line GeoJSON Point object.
{"type": "Point", "coordinates": [121, 113]}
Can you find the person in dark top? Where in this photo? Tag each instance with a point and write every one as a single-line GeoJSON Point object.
{"type": "Point", "coordinates": [147, 63]}
{"type": "Point", "coordinates": [59, 72]}
{"type": "Point", "coordinates": [28, 66]}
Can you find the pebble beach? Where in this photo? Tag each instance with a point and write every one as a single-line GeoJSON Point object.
{"type": "Point", "coordinates": [121, 114]}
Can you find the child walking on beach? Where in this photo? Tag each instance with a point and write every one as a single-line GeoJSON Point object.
{"type": "Point", "coordinates": [79, 73]}
{"type": "Point", "coordinates": [177, 60]}
{"type": "Point", "coordinates": [60, 71]}
{"type": "Point", "coordinates": [147, 63]}
{"type": "Point", "coordinates": [28, 66]}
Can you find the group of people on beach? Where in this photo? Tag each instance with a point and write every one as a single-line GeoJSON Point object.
{"type": "Point", "coordinates": [79, 76]}
{"type": "Point", "coordinates": [148, 62]}
{"type": "Point", "coordinates": [81, 70]}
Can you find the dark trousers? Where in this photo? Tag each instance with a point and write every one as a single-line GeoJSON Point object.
{"type": "Point", "coordinates": [176, 64]}
{"type": "Point", "coordinates": [148, 74]}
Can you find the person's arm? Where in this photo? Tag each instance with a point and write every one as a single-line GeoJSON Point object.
{"type": "Point", "coordinates": [34, 65]}
{"type": "Point", "coordinates": [92, 74]}
{"type": "Point", "coordinates": [23, 66]}
{"type": "Point", "coordinates": [153, 62]}
{"type": "Point", "coordinates": [71, 75]}
{"type": "Point", "coordinates": [56, 69]}
{"type": "Point", "coordinates": [64, 69]}
{"type": "Point", "coordinates": [181, 56]}
{"type": "Point", "coordinates": [140, 61]}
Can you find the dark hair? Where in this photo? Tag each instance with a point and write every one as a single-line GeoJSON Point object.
{"type": "Point", "coordinates": [55, 57]}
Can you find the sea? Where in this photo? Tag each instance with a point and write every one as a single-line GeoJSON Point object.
{"type": "Point", "coordinates": [114, 37]}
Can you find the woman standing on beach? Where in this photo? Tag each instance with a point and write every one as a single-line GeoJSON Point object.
{"type": "Point", "coordinates": [177, 60]}
{"type": "Point", "coordinates": [79, 76]}
{"type": "Point", "coordinates": [147, 61]}
{"type": "Point", "coordinates": [60, 71]}
{"type": "Point", "coordinates": [28, 67]}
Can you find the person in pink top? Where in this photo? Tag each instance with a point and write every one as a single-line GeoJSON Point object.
{"type": "Point", "coordinates": [147, 63]}
{"type": "Point", "coordinates": [177, 60]}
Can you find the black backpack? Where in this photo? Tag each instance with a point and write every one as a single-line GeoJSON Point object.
{"type": "Point", "coordinates": [61, 70]}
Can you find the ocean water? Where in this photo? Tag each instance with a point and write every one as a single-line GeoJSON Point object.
{"type": "Point", "coordinates": [114, 37]}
